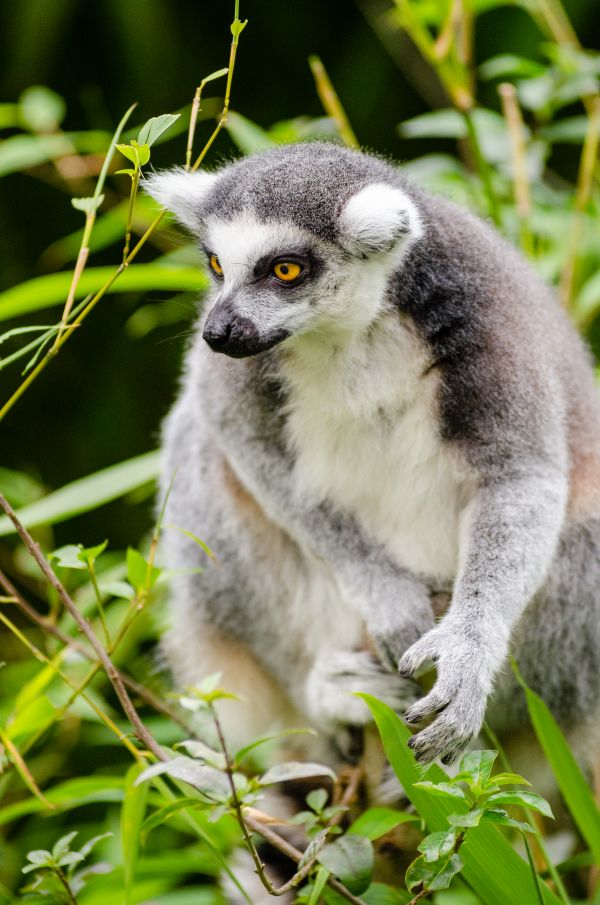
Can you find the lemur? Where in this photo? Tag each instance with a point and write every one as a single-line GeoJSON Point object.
{"type": "Point", "coordinates": [381, 399]}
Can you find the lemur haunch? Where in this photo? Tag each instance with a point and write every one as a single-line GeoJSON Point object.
{"type": "Point", "coordinates": [399, 404]}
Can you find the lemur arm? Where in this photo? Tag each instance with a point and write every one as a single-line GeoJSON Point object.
{"type": "Point", "coordinates": [510, 533]}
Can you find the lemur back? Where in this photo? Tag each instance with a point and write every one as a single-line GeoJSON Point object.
{"type": "Point", "coordinates": [381, 399]}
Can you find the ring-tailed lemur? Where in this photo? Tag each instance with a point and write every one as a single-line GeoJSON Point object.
{"type": "Point", "coordinates": [401, 404]}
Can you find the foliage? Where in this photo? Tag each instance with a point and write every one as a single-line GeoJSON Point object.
{"type": "Point", "coordinates": [91, 741]}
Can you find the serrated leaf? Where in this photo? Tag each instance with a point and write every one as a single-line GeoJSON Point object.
{"type": "Point", "coordinates": [435, 876]}
{"type": "Point", "coordinates": [524, 799]}
{"type": "Point", "coordinates": [87, 205]}
{"type": "Point", "coordinates": [478, 765]}
{"type": "Point", "coordinates": [497, 815]}
{"type": "Point", "coordinates": [440, 789]}
{"type": "Point", "coordinates": [313, 848]}
{"type": "Point", "coordinates": [351, 859]}
{"type": "Point", "coordinates": [436, 846]}
{"type": "Point", "coordinates": [376, 822]}
{"type": "Point", "coordinates": [212, 783]}
{"type": "Point", "coordinates": [294, 770]}
{"type": "Point", "coordinates": [154, 128]}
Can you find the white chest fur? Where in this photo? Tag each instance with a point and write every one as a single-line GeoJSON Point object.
{"type": "Point", "coordinates": [362, 427]}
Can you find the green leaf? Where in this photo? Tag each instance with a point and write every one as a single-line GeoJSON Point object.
{"type": "Point", "coordinates": [132, 816]}
{"type": "Point", "coordinates": [67, 557]}
{"type": "Point", "coordinates": [91, 554]}
{"type": "Point", "coordinates": [292, 771]}
{"type": "Point", "coordinates": [351, 860]}
{"type": "Point", "coordinates": [195, 538]}
{"type": "Point", "coordinates": [314, 847]}
{"type": "Point", "coordinates": [143, 154]}
{"type": "Point", "coordinates": [73, 793]}
{"type": "Point", "coordinates": [116, 589]}
{"type": "Point", "coordinates": [154, 128]}
{"type": "Point", "coordinates": [509, 779]}
{"type": "Point", "coordinates": [41, 109]}
{"type": "Point", "coordinates": [87, 205]}
{"type": "Point", "coordinates": [471, 818]}
{"type": "Point", "coordinates": [87, 493]}
{"type": "Point", "coordinates": [441, 789]}
{"type": "Point", "coordinates": [317, 799]}
{"type": "Point", "coordinates": [46, 291]}
{"type": "Point", "coordinates": [63, 845]}
{"type": "Point", "coordinates": [376, 822]}
{"type": "Point", "coordinates": [237, 27]}
{"type": "Point", "coordinates": [212, 783]}
{"type": "Point", "coordinates": [91, 844]}
{"type": "Point", "coordinates": [139, 572]}
{"type": "Point", "coordinates": [214, 75]}
{"type": "Point", "coordinates": [492, 868]}
{"type": "Point", "coordinates": [249, 137]}
{"type": "Point", "coordinates": [524, 799]}
{"type": "Point", "coordinates": [163, 814]}
{"type": "Point", "coordinates": [201, 751]}
{"type": "Point", "coordinates": [435, 876]}
{"type": "Point", "coordinates": [478, 766]}
{"type": "Point", "coordinates": [508, 64]}
{"type": "Point", "coordinates": [437, 845]}
{"type": "Point", "coordinates": [125, 172]}
{"type": "Point", "coordinates": [500, 816]}
{"type": "Point", "coordinates": [130, 152]}
{"type": "Point", "coordinates": [321, 878]}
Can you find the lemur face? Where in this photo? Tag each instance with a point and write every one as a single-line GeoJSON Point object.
{"type": "Point", "coordinates": [297, 240]}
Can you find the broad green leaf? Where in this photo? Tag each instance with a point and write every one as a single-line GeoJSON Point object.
{"type": "Point", "coordinates": [478, 766]}
{"type": "Point", "coordinates": [524, 800]}
{"type": "Point", "coordinates": [567, 772]}
{"type": "Point", "coordinates": [159, 817]}
{"type": "Point", "coordinates": [35, 715]}
{"type": "Point", "coordinates": [441, 789]}
{"type": "Point", "coordinates": [249, 137]}
{"type": "Point", "coordinates": [471, 818]}
{"type": "Point", "coordinates": [351, 860]}
{"type": "Point", "coordinates": [46, 291]}
{"type": "Point", "coordinates": [139, 571]}
{"type": "Point", "coordinates": [67, 557]}
{"type": "Point", "coordinates": [509, 779]}
{"type": "Point", "coordinates": [492, 868]}
{"type": "Point", "coordinates": [74, 793]}
{"type": "Point", "coordinates": [317, 799]}
{"type": "Point", "coordinates": [433, 876]}
{"type": "Point", "coordinates": [116, 589]}
{"type": "Point", "coordinates": [154, 128]}
{"type": "Point", "coordinates": [212, 783]}
{"type": "Point", "coordinates": [376, 822]}
{"type": "Point", "coordinates": [293, 770]}
{"type": "Point", "coordinates": [508, 64]}
{"type": "Point", "coordinates": [500, 816]}
{"type": "Point", "coordinates": [87, 493]}
{"type": "Point", "coordinates": [201, 751]}
{"type": "Point", "coordinates": [143, 154]}
{"type": "Point", "coordinates": [91, 554]}
{"type": "Point", "coordinates": [133, 810]}
{"type": "Point", "coordinates": [63, 845]}
{"type": "Point", "coordinates": [41, 109]}
{"type": "Point", "coordinates": [437, 845]}
{"type": "Point", "coordinates": [130, 153]}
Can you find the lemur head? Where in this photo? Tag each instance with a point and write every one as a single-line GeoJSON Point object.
{"type": "Point", "coordinates": [299, 240]}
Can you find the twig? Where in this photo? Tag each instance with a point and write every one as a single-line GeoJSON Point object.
{"type": "Point", "coordinates": [141, 690]}
{"type": "Point", "coordinates": [111, 671]}
{"type": "Point", "coordinates": [516, 132]}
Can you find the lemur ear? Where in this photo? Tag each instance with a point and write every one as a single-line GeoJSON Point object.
{"type": "Point", "coordinates": [377, 219]}
{"type": "Point", "coordinates": [181, 192]}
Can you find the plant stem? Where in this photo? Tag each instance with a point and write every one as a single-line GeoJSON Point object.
{"type": "Point", "coordinates": [59, 873]}
{"type": "Point", "coordinates": [483, 168]}
{"type": "Point", "coordinates": [331, 102]}
{"type": "Point", "coordinates": [516, 132]}
{"type": "Point", "coordinates": [135, 181]}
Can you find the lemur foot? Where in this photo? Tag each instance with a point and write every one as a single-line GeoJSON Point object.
{"type": "Point", "coordinates": [457, 700]}
{"type": "Point", "coordinates": [329, 699]}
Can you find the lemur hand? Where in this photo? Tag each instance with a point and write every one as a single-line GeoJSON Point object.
{"type": "Point", "coordinates": [457, 701]}
{"type": "Point", "coordinates": [393, 635]}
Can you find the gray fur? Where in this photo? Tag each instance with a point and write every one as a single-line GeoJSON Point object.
{"type": "Point", "coordinates": [304, 582]}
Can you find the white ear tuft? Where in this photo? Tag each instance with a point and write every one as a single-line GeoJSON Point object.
{"type": "Point", "coordinates": [181, 192]}
{"type": "Point", "coordinates": [377, 218]}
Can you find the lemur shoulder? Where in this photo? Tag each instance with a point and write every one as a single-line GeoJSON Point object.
{"type": "Point", "coordinates": [382, 398]}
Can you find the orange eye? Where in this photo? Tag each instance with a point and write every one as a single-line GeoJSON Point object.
{"type": "Point", "coordinates": [214, 263]}
{"type": "Point", "coordinates": [287, 271]}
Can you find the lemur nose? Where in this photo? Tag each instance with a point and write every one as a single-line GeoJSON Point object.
{"type": "Point", "coordinates": [217, 335]}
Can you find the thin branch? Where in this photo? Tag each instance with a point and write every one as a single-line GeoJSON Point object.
{"type": "Point", "coordinates": [331, 102]}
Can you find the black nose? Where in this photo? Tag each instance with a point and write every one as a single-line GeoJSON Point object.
{"type": "Point", "coordinates": [217, 334]}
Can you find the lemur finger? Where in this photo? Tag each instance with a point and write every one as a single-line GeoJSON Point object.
{"type": "Point", "coordinates": [418, 657]}
{"type": "Point", "coordinates": [435, 702]}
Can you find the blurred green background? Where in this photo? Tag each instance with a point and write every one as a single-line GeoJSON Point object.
{"type": "Point", "coordinates": [103, 401]}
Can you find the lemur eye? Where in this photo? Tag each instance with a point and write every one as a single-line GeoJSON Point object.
{"type": "Point", "coordinates": [216, 266]}
{"type": "Point", "coordinates": [287, 271]}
